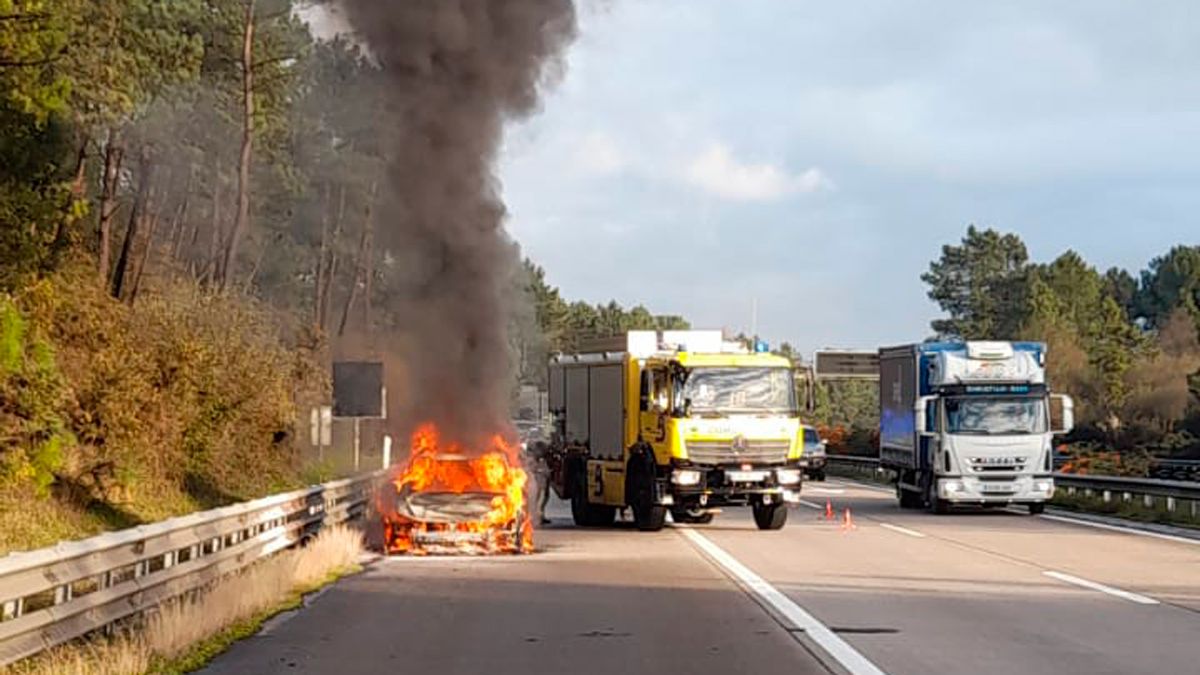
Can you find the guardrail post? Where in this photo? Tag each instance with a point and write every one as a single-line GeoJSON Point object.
{"type": "Point", "coordinates": [1107, 496]}
{"type": "Point", "coordinates": [1171, 504]}
{"type": "Point", "coordinates": [1148, 501]}
{"type": "Point", "coordinates": [12, 609]}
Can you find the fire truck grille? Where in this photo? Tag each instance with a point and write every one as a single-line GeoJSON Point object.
{"type": "Point", "coordinates": [750, 452]}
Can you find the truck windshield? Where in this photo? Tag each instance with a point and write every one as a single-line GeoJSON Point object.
{"type": "Point", "coordinates": [995, 416]}
{"type": "Point", "coordinates": [737, 390]}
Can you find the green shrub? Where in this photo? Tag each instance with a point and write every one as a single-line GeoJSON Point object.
{"type": "Point", "coordinates": [184, 401]}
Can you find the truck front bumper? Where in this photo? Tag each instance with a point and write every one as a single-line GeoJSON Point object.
{"type": "Point", "coordinates": [737, 487]}
{"type": "Point", "coordinates": [995, 490]}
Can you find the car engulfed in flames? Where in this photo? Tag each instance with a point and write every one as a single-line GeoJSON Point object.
{"type": "Point", "coordinates": [447, 500]}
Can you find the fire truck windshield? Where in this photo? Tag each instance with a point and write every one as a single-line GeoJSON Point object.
{"type": "Point", "coordinates": [736, 390]}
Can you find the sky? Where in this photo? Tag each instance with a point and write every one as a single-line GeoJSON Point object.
{"type": "Point", "coordinates": [706, 157]}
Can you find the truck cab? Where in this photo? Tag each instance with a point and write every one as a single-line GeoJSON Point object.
{"type": "Point", "coordinates": [970, 424]}
{"type": "Point", "coordinates": [677, 422]}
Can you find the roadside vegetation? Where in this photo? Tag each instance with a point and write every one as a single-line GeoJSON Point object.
{"type": "Point", "coordinates": [184, 635]}
{"type": "Point", "coordinates": [184, 224]}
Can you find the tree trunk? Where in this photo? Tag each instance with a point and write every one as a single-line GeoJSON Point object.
{"type": "Point", "coordinates": [207, 274]}
{"type": "Point", "coordinates": [62, 236]}
{"type": "Point", "coordinates": [241, 222]}
{"type": "Point", "coordinates": [258, 261]}
{"type": "Point", "coordinates": [144, 257]}
{"type": "Point", "coordinates": [123, 275]}
{"type": "Point", "coordinates": [319, 272]}
{"type": "Point", "coordinates": [152, 217]}
{"type": "Point", "coordinates": [355, 283]}
{"type": "Point", "coordinates": [361, 264]}
{"type": "Point", "coordinates": [369, 262]}
{"type": "Point", "coordinates": [114, 153]}
{"type": "Point", "coordinates": [332, 268]}
{"type": "Point", "coordinates": [179, 222]}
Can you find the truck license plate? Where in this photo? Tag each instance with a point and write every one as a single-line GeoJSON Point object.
{"type": "Point", "coordinates": [746, 476]}
{"type": "Point", "coordinates": [1002, 488]}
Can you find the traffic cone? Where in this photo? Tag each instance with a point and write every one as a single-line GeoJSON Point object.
{"type": "Point", "coordinates": [829, 514]}
{"type": "Point", "coordinates": [848, 521]}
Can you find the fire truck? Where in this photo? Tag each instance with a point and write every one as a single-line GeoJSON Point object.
{"type": "Point", "coordinates": [675, 421]}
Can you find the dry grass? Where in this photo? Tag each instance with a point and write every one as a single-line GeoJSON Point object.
{"type": "Point", "coordinates": [184, 635]}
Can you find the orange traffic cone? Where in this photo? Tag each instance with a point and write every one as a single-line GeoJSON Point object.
{"type": "Point", "coordinates": [848, 521]}
{"type": "Point", "coordinates": [829, 514]}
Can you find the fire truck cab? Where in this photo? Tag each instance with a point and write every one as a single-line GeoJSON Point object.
{"type": "Point", "coordinates": [677, 421]}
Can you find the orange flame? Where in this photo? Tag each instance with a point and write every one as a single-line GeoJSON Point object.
{"type": "Point", "coordinates": [506, 527]}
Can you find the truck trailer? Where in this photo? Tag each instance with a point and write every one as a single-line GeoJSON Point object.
{"type": "Point", "coordinates": [677, 421]}
{"type": "Point", "coordinates": [969, 423]}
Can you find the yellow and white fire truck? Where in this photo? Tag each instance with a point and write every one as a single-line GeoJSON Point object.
{"type": "Point", "coordinates": [676, 420]}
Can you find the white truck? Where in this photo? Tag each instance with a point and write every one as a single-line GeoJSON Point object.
{"type": "Point", "coordinates": [969, 423]}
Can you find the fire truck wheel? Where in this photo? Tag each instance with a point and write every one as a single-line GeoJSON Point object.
{"type": "Point", "coordinates": [648, 516]}
{"type": "Point", "coordinates": [1035, 509]}
{"type": "Point", "coordinates": [584, 513]}
{"type": "Point", "coordinates": [770, 516]}
{"type": "Point", "coordinates": [692, 516]}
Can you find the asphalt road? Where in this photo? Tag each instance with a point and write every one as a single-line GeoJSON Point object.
{"type": "Point", "coordinates": [899, 593]}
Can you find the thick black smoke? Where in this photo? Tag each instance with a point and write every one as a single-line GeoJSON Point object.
{"type": "Point", "coordinates": [458, 70]}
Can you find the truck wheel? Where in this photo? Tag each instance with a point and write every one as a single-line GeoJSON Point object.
{"type": "Point", "coordinates": [936, 504]}
{"type": "Point", "coordinates": [692, 516]}
{"type": "Point", "coordinates": [819, 476]}
{"type": "Point", "coordinates": [584, 513]}
{"type": "Point", "coordinates": [639, 474]}
{"type": "Point", "coordinates": [649, 517]}
{"type": "Point", "coordinates": [1035, 509]}
{"type": "Point", "coordinates": [908, 498]}
{"type": "Point", "coordinates": [770, 516]}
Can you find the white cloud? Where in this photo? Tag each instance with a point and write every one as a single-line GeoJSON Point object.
{"type": "Point", "coordinates": [598, 153]}
{"type": "Point", "coordinates": [717, 171]}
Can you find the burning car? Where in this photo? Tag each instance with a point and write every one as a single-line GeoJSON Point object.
{"type": "Point", "coordinates": [445, 500]}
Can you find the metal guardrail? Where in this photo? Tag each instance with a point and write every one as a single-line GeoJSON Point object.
{"type": "Point", "coordinates": [1107, 488]}
{"type": "Point", "coordinates": [1176, 469]}
{"type": "Point", "coordinates": [54, 595]}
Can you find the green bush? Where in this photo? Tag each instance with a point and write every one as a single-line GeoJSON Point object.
{"type": "Point", "coordinates": [35, 439]}
{"type": "Point", "coordinates": [185, 401]}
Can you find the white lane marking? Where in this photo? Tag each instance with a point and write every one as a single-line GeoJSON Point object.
{"type": "Point", "coordinates": [811, 505]}
{"type": "Point", "coordinates": [1118, 528]}
{"type": "Point", "coordinates": [1132, 597]}
{"type": "Point", "coordinates": [849, 658]}
{"type": "Point", "coordinates": [866, 486]}
{"type": "Point", "coordinates": [827, 491]}
{"type": "Point", "coordinates": [902, 530]}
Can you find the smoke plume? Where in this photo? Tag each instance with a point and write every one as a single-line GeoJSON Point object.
{"type": "Point", "coordinates": [457, 72]}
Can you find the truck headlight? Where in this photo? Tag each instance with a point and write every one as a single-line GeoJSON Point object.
{"type": "Point", "coordinates": [1043, 485]}
{"type": "Point", "coordinates": [787, 476]}
{"type": "Point", "coordinates": [685, 477]}
{"type": "Point", "coordinates": [952, 486]}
